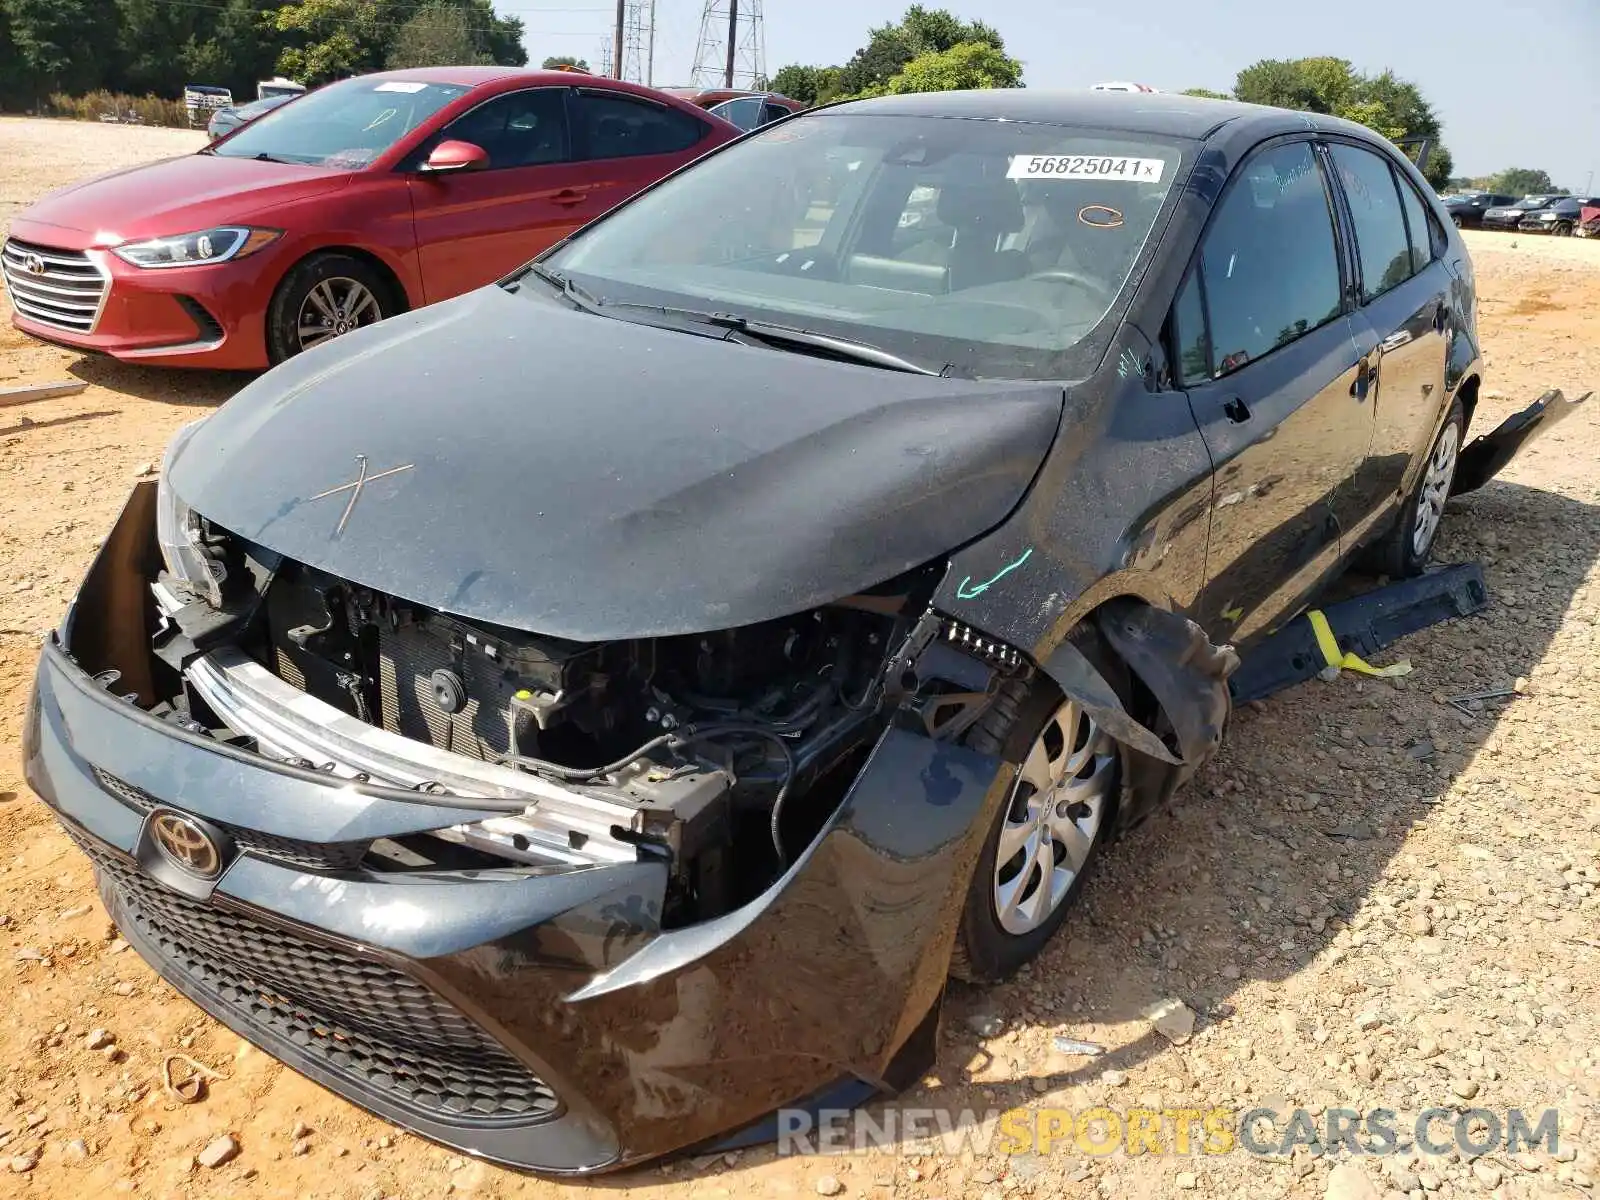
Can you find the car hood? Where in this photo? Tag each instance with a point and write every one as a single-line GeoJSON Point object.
{"type": "Point", "coordinates": [176, 195]}
{"type": "Point", "coordinates": [588, 478]}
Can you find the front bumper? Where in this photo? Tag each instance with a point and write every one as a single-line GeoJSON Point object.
{"type": "Point", "coordinates": [541, 1020]}
{"type": "Point", "coordinates": [209, 316]}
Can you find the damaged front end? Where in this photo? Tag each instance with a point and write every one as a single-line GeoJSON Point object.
{"type": "Point", "coordinates": [562, 905]}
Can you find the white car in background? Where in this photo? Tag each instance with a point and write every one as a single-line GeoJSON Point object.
{"type": "Point", "coordinates": [1124, 87]}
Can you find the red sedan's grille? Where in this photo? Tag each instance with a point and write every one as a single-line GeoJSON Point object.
{"type": "Point", "coordinates": [62, 288]}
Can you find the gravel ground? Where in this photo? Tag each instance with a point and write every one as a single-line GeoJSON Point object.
{"type": "Point", "coordinates": [1370, 899]}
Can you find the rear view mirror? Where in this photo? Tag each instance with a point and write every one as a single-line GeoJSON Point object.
{"type": "Point", "coordinates": [456, 156]}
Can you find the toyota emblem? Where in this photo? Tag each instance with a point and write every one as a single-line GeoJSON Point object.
{"type": "Point", "coordinates": [186, 844]}
{"type": "Point", "coordinates": [33, 264]}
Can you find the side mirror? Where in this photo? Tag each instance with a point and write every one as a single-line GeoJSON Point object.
{"type": "Point", "coordinates": [456, 156]}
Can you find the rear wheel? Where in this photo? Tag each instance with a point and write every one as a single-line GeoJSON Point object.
{"type": "Point", "coordinates": [324, 297]}
{"type": "Point", "coordinates": [1407, 548]}
{"type": "Point", "coordinates": [1049, 832]}
{"type": "Point", "coordinates": [1562, 228]}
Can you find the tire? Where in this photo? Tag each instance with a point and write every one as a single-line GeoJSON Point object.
{"type": "Point", "coordinates": [1561, 229]}
{"type": "Point", "coordinates": [1028, 717]}
{"type": "Point", "coordinates": [1405, 550]}
{"type": "Point", "coordinates": [1458, 222]}
{"type": "Point", "coordinates": [334, 293]}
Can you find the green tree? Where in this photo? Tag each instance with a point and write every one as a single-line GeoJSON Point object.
{"type": "Point", "coordinates": [564, 60]}
{"type": "Point", "coordinates": [438, 36]}
{"type": "Point", "coordinates": [1522, 181]}
{"type": "Point", "coordinates": [798, 82]}
{"type": "Point", "coordinates": [963, 66]}
{"type": "Point", "coordinates": [61, 45]}
{"type": "Point", "coordinates": [1384, 103]}
{"type": "Point", "coordinates": [890, 48]}
{"type": "Point", "coordinates": [1206, 94]}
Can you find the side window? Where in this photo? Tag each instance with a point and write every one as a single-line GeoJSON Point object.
{"type": "Point", "coordinates": [773, 112]}
{"type": "Point", "coordinates": [1381, 243]}
{"type": "Point", "coordinates": [1191, 348]}
{"type": "Point", "coordinates": [617, 126]}
{"type": "Point", "coordinates": [520, 129]}
{"type": "Point", "coordinates": [1269, 258]}
{"type": "Point", "coordinates": [745, 112]}
{"type": "Point", "coordinates": [1420, 223]}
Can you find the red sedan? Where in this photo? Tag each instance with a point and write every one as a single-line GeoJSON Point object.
{"type": "Point", "coordinates": [357, 201]}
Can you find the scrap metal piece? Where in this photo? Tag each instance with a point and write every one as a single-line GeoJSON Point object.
{"type": "Point", "coordinates": [39, 391]}
{"type": "Point", "coordinates": [1361, 625]}
{"type": "Point", "coordinates": [1487, 456]}
{"type": "Point", "coordinates": [1079, 680]}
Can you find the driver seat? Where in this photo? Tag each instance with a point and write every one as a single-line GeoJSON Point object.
{"type": "Point", "coordinates": [982, 212]}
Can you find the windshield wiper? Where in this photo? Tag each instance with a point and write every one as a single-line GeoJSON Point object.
{"type": "Point", "coordinates": [766, 332]}
{"type": "Point", "coordinates": [770, 333]}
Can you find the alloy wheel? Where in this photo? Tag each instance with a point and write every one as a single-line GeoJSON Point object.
{"type": "Point", "coordinates": [1436, 480]}
{"type": "Point", "coordinates": [1061, 794]}
{"type": "Point", "coordinates": [333, 308]}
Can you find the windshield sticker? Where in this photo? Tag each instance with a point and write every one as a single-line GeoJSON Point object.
{"type": "Point", "coordinates": [399, 85]}
{"type": "Point", "coordinates": [1086, 166]}
{"type": "Point", "coordinates": [1100, 216]}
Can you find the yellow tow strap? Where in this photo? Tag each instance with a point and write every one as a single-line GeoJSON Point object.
{"type": "Point", "coordinates": [1329, 646]}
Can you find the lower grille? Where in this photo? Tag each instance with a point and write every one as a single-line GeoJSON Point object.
{"type": "Point", "coordinates": [62, 288]}
{"type": "Point", "coordinates": [310, 856]}
{"type": "Point", "coordinates": [360, 1020]}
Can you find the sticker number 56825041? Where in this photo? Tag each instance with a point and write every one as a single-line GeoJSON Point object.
{"type": "Point", "coordinates": [1086, 166]}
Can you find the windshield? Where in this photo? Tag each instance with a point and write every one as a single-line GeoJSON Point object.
{"type": "Point", "coordinates": [994, 247]}
{"type": "Point", "coordinates": [345, 124]}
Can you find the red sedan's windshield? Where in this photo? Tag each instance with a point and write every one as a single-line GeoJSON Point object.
{"type": "Point", "coordinates": [345, 124]}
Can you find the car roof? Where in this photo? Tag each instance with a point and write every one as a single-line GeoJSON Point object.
{"type": "Point", "coordinates": [1158, 113]}
{"type": "Point", "coordinates": [477, 76]}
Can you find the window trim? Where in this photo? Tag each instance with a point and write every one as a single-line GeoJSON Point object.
{"type": "Point", "coordinates": [580, 149]}
{"type": "Point", "coordinates": [1343, 249]}
{"type": "Point", "coordinates": [411, 164]}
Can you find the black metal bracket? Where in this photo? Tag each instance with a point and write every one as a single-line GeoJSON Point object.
{"type": "Point", "coordinates": [1362, 625]}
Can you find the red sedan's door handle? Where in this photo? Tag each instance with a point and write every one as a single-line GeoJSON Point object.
{"type": "Point", "coordinates": [567, 196]}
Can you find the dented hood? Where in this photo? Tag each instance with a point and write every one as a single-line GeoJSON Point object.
{"type": "Point", "coordinates": [589, 478]}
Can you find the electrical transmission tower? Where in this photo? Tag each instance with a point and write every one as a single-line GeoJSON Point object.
{"type": "Point", "coordinates": [732, 50]}
{"type": "Point", "coordinates": [603, 58]}
{"type": "Point", "coordinates": [638, 41]}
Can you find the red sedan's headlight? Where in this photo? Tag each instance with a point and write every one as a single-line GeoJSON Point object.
{"type": "Point", "coordinates": [222, 244]}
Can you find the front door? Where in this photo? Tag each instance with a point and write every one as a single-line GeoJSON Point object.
{"type": "Point", "coordinates": [1278, 386]}
{"type": "Point", "coordinates": [1404, 294]}
{"type": "Point", "coordinates": [627, 142]}
{"type": "Point", "coordinates": [475, 226]}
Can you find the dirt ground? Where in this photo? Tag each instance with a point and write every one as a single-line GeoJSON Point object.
{"type": "Point", "coordinates": [1370, 898]}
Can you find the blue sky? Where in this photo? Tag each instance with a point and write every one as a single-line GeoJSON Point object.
{"type": "Point", "coordinates": [1516, 83]}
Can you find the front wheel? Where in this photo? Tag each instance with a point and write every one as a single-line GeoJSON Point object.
{"type": "Point", "coordinates": [1407, 548]}
{"type": "Point", "coordinates": [324, 297]}
{"type": "Point", "coordinates": [1562, 229]}
{"type": "Point", "coordinates": [1048, 833]}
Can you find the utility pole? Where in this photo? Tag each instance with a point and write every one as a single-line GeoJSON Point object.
{"type": "Point", "coordinates": [733, 41]}
{"type": "Point", "coordinates": [650, 56]}
{"type": "Point", "coordinates": [616, 41]}
{"type": "Point", "coordinates": [731, 50]}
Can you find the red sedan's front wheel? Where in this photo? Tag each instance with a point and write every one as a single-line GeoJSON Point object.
{"type": "Point", "coordinates": [324, 297]}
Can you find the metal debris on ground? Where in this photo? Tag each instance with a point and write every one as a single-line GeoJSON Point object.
{"type": "Point", "coordinates": [1463, 703]}
{"type": "Point", "coordinates": [1068, 1045]}
{"type": "Point", "coordinates": [192, 1088]}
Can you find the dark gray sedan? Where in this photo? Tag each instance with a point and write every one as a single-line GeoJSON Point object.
{"type": "Point", "coordinates": [580, 718]}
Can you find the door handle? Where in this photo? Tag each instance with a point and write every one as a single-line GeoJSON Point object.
{"type": "Point", "coordinates": [1366, 376]}
{"type": "Point", "coordinates": [1236, 410]}
{"type": "Point", "coordinates": [567, 196]}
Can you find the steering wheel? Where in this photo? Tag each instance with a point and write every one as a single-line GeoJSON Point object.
{"type": "Point", "coordinates": [1083, 282]}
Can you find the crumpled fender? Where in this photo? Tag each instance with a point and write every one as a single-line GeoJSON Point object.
{"type": "Point", "coordinates": [1487, 456]}
{"type": "Point", "coordinates": [1177, 662]}
{"type": "Point", "coordinates": [1188, 677]}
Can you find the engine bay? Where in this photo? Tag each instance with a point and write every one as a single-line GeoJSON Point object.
{"type": "Point", "coordinates": [722, 753]}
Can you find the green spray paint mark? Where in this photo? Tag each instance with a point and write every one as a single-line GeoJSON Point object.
{"type": "Point", "coordinates": [965, 591]}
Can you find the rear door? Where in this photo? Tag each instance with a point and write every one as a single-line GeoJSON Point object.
{"type": "Point", "coordinates": [474, 226]}
{"type": "Point", "coordinates": [627, 142]}
{"type": "Point", "coordinates": [1403, 290]}
{"type": "Point", "coordinates": [1277, 382]}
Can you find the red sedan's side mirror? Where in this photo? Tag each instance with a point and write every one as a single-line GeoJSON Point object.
{"type": "Point", "coordinates": [456, 156]}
